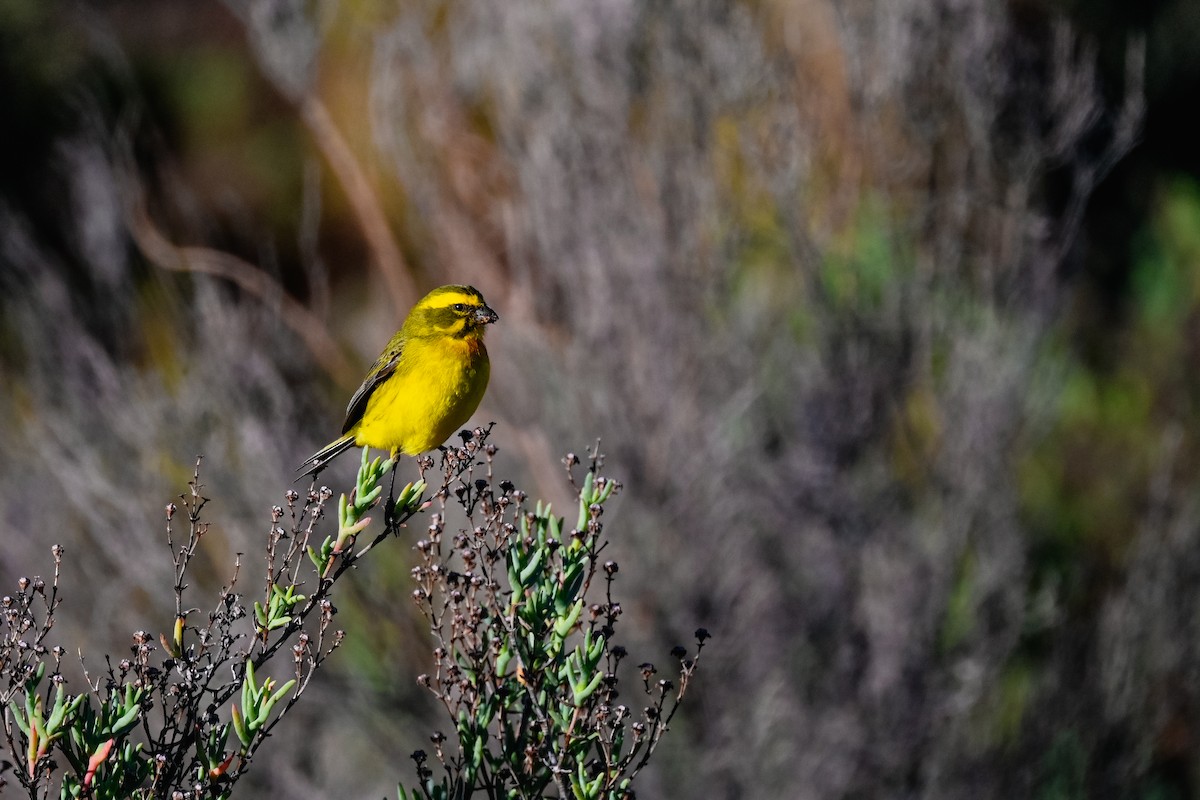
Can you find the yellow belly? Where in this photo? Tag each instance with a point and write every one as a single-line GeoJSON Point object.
{"type": "Point", "coordinates": [432, 394]}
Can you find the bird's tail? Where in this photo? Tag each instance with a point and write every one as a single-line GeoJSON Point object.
{"type": "Point", "coordinates": [320, 459]}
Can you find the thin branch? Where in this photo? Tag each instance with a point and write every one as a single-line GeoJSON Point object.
{"type": "Point", "coordinates": [311, 329]}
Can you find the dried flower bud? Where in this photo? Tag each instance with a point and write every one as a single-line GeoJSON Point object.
{"type": "Point", "coordinates": [171, 509]}
{"type": "Point", "coordinates": [647, 669]}
{"type": "Point", "coordinates": [678, 651]}
{"type": "Point", "coordinates": [291, 495]}
{"type": "Point", "coordinates": [57, 550]}
{"type": "Point", "coordinates": [22, 583]}
{"type": "Point", "coordinates": [702, 634]}
{"type": "Point", "coordinates": [611, 567]}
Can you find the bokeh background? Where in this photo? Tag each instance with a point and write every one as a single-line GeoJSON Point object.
{"type": "Point", "coordinates": [887, 313]}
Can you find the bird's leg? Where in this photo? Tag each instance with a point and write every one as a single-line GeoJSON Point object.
{"type": "Point", "coordinates": [389, 508]}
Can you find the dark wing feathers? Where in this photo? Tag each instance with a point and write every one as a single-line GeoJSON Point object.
{"type": "Point", "coordinates": [383, 369]}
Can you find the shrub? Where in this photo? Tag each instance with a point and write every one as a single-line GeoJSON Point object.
{"type": "Point", "coordinates": [524, 662]}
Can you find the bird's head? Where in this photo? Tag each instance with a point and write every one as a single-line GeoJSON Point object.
{"type": "Point", "coordinates": [457, 311]}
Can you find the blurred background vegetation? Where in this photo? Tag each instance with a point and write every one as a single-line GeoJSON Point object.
{"type": "Point", "coordinates": [887, 312]}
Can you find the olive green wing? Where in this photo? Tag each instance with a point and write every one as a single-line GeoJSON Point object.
{"type": "Point", "coordinates": [383, 369]}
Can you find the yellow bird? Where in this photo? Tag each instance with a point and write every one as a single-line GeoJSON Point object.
{"type": "Point", "coordinates": [425, 385]}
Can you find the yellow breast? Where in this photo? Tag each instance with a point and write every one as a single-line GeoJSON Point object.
{"type": "Point", "coordinates": [434, 391]}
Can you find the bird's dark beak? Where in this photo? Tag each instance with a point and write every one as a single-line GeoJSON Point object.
{"type": "Point", "coordinates": [484, 315]}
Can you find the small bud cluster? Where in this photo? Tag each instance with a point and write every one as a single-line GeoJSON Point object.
{"type": "Point", "coordinates": [26, 619]}
{"type": "Point", "coordinates": [524, 660]}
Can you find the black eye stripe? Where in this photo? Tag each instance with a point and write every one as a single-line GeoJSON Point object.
{"type": "Point", "coordinates": [445, 318]}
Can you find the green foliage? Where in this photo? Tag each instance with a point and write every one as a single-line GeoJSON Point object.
{"type": "Point", "coordinates": [352, 510]}
{"type": "Point", "coordinates": [959, 619]}
{"type": "Point", "coordinates": [1085, 481]}
{"type": "Point", "coordinates": [526, 668]}
{"type": "Point", "coordinates": [158, 723]}
{"type": "Point", "coordinates": [861, 268]}
{"type": "Point", "coordinates": [1166, 277]}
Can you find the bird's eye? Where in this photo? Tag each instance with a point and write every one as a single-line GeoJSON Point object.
{"type": "Point", "coordinates": [460, 307]}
